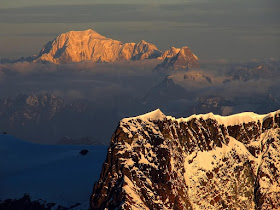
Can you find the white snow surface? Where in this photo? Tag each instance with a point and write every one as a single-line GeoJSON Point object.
{"type": "Point", "coordinates": [230, 120]}
{"type": "Point", "coordinates": [154, 115]}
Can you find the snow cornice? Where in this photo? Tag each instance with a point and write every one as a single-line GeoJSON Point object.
{"type": "Point", "coordinates": [236, 119]}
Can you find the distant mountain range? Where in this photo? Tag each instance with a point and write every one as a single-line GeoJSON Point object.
{"type": "Point", "coordinates": [88, 45]}
{"type": "Point", "coordinates": [47, 118]}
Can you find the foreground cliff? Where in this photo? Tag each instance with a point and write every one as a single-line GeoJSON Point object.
{"type": "Point", "coordinates": [201, 162]}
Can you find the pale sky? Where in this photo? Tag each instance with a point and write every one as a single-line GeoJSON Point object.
{"type": "Point", "coordinates": [217, 29]}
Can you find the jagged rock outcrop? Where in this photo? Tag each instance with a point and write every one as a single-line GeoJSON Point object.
{"type": "Point", "coordinates": [200, 162]}
{"type": "Point", "coordinates": [178, 59]}
{"type": "Point", "coordinates": [77, 46]}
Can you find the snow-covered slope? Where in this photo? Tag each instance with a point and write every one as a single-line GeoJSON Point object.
{"type": "Point", "coordinates": [200, 162]}
{"type": "Point", "coordinates": [55, 173]}
{"type": "Point", "coordinates": [77, 46]}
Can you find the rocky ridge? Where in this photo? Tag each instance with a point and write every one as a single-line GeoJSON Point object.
{"type": "Point", "coordinates": [200, 162]}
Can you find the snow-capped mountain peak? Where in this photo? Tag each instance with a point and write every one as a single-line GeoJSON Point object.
{"type": "Point", "coordinates": [88, 45]}
{"type": "Point", "coordinates": [77, 46]}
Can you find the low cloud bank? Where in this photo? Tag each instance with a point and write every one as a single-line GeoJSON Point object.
{"type": "Point", "coordinates": [82, 80]}
{"type": "Point", "coordinates": [96, 96]}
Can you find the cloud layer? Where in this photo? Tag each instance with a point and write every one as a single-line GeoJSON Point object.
{"type": "Point", "coordinates": [122, 89]}
{"type": "Point", "coordinates": [82, 80]}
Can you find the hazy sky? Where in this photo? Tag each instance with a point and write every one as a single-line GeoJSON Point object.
{"type": "Point", "coordinates": [216, 29]}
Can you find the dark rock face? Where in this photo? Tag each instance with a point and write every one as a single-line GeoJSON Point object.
{"type": "Point", "coordinates": [198, 162]}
